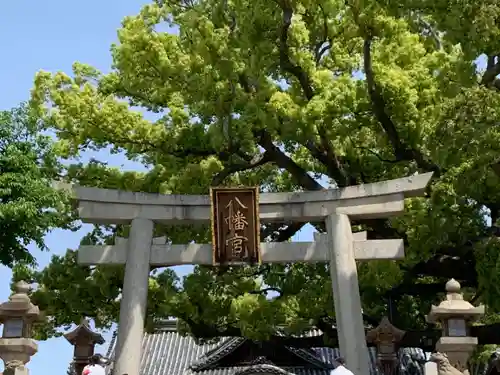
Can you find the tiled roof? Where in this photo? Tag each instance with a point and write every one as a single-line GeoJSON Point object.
{"type": "Point", "coordinates": [172, 354]}
{"type": "Point", "coordinates": [165, 352]}
{"type": "Point", "coordinates": [210, 358]}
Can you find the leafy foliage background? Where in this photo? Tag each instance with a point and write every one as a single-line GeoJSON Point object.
{"type": "Point", "coordinates": [287, 95]}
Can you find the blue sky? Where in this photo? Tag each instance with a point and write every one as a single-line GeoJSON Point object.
{"type": "Point", "coordinates": [51, 35]}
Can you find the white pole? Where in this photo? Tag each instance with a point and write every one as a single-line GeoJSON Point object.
{"type": "Point", "coordinates": [348, 313]}
{"type": "Point", "coordinates": [134, 298]}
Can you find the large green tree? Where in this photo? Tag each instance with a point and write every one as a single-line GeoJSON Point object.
{"type": "Point", "coordinates": [292, 95]}
{"type": "Point", "coordinates": [29, 205]}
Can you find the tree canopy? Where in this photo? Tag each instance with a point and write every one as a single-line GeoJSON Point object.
{"type": "Point", "coordinates": [291, 95]}
{"type": "Point", "coordinates": [29, 205]}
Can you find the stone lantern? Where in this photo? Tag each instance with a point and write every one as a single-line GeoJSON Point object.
{"type": "Point", "coordinates": [455, 315]}
{"type": "Point", "coordinates": [386, 338]}
{"type": "Point", "coordinates": [84, 341]}
{"type": "Point", "coordinates": [17, 316]}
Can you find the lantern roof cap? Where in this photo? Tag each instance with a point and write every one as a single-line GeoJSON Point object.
{"type": "Point", "coordinates": [19, 304]}
{"type": "Point", "coordinates": [454, 305]}
{"type": "Point", "coordinates": [385, 332]}
{"type": "Point", "coordinates": [83, 332]}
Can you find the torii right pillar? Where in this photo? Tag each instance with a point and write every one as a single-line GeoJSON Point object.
{"type": "Point", "coordinates": [344, 276]}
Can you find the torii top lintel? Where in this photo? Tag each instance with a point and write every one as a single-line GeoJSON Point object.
{"type": "Point", "coordinates": [375, 200]}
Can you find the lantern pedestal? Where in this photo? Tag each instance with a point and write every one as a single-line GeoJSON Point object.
{"type": "Point", "coordinates": [17, 350]}
{"type": "Point", "coordinates": [15, 353]}
{"type": "Point", "coordinates": [458, 349]}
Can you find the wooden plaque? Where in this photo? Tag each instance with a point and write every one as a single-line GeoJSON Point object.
{"type": "Point", "coordinates": [235, 225]}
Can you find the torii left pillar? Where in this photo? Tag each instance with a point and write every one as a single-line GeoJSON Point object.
{"type": "Point", "coordinates": [134, 298]}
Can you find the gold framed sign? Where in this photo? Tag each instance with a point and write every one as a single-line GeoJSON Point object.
{"type": "Point", "coordinates": [235, 225]}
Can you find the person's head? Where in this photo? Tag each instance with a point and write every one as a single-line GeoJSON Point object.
{"type": "Point", "coordinates": [97, 359]}
{"type": "Point", "coordinates": [339, 361]}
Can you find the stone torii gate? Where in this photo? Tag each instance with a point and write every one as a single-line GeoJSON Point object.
{"type": "Point", "coordinates": [339, 246]}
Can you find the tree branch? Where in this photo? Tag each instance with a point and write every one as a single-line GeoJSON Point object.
{"type": "Point", "coordinates": [286, 64]}
{"type": "Point", "coordinates": [325, 324]}
{"type": "Point", "coordinates": [299, 173]}
{"type": "Point", "coordinates": [489, 78]}
{"type": "Point", "coordinates": [280, 232]}
{"type": "Point", "coordinates": [401, 151]}
{"type": "Point", "coordinates": [277, 156]}
{"type": "Point", "coordinates": [371, 320]}
{"type": "Point", "coordinates": [325, 155]}
{"type": "Point", "coordinates": [496, 167]}
{"type": "Point", "coordinates": [422, 290]}
{"type": "Point", "coordinates": [287, 233]}
{"type": "Point", "coordinates": [137, 98]}
{"type": "Point", "coordinates": [267, 290]}
{"type": "Point", "coordinates": [228, 170]}
{"type": "Point", "coordinates": [444, 267]}
{"type": "Point", "coordinates": [282, 161]}
{"type": "Point", "coordinates": [378, 155]}
{"type": "Point", "coordinates": [332, 162]}
{"type": "Point", "coordinates": [325, 44]}
{"type": "Point", "coordinates": [285, 162]}
{"type": "Point", "coordinates": [430, 30]}
{"type": "Point", "coordinates": [447, 266]}
{"type": "Point", "coordinates": [379, 229]}
{"type": "Point", "coordinates": [144, 147]}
